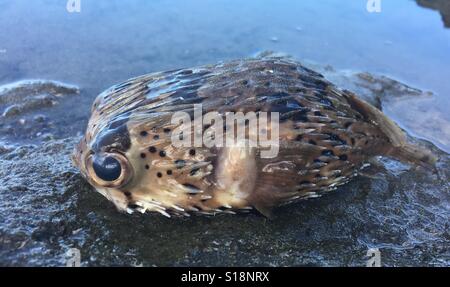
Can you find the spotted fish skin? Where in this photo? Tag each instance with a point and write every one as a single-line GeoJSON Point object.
{"type": "Point", "coordinates": [326, 136]}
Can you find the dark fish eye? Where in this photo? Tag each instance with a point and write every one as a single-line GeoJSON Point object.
{"type": "Point", "coordinates": [107, 168]}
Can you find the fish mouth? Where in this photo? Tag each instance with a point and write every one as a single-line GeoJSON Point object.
{"type": "Point", "coordinates": [75, 158]}
{"type": "Point", "coordinates": [78, 153]}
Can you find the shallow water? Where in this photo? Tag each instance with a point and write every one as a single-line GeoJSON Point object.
{"type": "Point", "coordinates": [46, 208]}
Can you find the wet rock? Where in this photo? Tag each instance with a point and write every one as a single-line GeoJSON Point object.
{"type": "Point", "coordinates": [47, 208]}
{"type": "Point", "coordinates": [17, 92]}
{"type": "Point", "coordinates": [386, 89]}
{"type": "Point", "coordinates": [443, 6]}
{"type": "Point", "coordinates": [416, 109]}
{"type": "Point", "coordinates": [404, 214]}
{"type": "Point", "coordinates": [22, 104]}
{"type": "Point", "coordinates": [30, 103]}
{"type": "Point", "coordinates": [373, 88]}
{"type": "Point", "coordinates": [25, 96]}
{"type": "Point", "coordinates": [45, 136]}
{"type": "Point", "coordinates": [5, 148]}
{"type": "Point", "coordinates": [40, 118]}
{"type": "Point", "coordinates": [19, 188]}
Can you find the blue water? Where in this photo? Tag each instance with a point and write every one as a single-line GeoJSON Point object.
{"type": "Point", "coordinates": [109, 41]}
{"type": "Point", "coordinates": [113, 39]}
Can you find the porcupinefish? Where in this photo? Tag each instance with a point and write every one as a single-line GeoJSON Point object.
{"type": "Point", "coordinates": [325, 136]}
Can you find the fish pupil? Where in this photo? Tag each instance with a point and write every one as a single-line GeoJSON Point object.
{"type": "Point", "coordinates": [107, 169]}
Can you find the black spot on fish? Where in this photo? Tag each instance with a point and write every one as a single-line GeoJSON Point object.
{"type": "Point", "coordinates": [169, 172]}
{"type": "Point", "coordinates": [132, 206]}
{"type": "Point", "coordinates": [192, 187]}
{"type": "Point", "coordinates": [193, 171]}
{"type": "Point", "coordinates": [318, 114]}
{"type": "Point", "coordinates": [143, 155]}
{"type": "Point", "coordinates": [167, 130]}
{"type": "Point", "coordinates": [343, 157]}
{"type": "Point", "coordinates": [192, 152]}
{"type": "Point", "coordinates": [300, 116]}
{"type": "Point", "coordinates": [336, 138]}
{"type": "Point", "coordinates": [144, 133]}
{"type": "Point", "coordinates": [162, 153]}
{"type": "Point", "coordinates": [328, 152]}
{"type": "Point", "coordinates": [152, 149]}
{"type": "Point", "coordinates": [127, 194]}
{"type": "Point", "coordinates": [180, 163]}
{"type": "Point", "coordinates": [147, 166]}
{"type": "Point", "coordinates": [159, 174]}
{"type": "Point", "coordinates": [156, 137]}
{"type": "Point", "coordinates": [295, 90]}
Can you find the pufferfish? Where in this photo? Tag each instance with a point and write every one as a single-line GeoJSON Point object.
{"type": "Point", "coordinates": [325, 136]}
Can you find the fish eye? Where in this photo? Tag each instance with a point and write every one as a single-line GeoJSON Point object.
{"type": "Point", "coordinates": [109, 169]}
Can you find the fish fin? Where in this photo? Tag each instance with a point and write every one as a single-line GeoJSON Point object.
{"type": "Point", "coordinates": [271, 190]}
{"type": "Point", "coordinates": [413, 154]}
{"type": "Point", "coordinates": [264, 210]}
{"type": "Point", "coordinates": [400, 149]}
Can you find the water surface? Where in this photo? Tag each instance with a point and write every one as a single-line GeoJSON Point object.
{"type": "Point", "coordinates": [47, 208]}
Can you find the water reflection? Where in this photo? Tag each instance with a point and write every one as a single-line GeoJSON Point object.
{"type": "Point", "coordinates": [443, 6]}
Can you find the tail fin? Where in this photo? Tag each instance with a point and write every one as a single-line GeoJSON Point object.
{"type": "Point", "coordinates": [400, 149]}
{"type": "Point", "coordinates": [413, 154]}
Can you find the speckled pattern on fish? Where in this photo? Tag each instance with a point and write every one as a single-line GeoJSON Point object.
{"type": "Point", "coordinates": [326, 137]}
